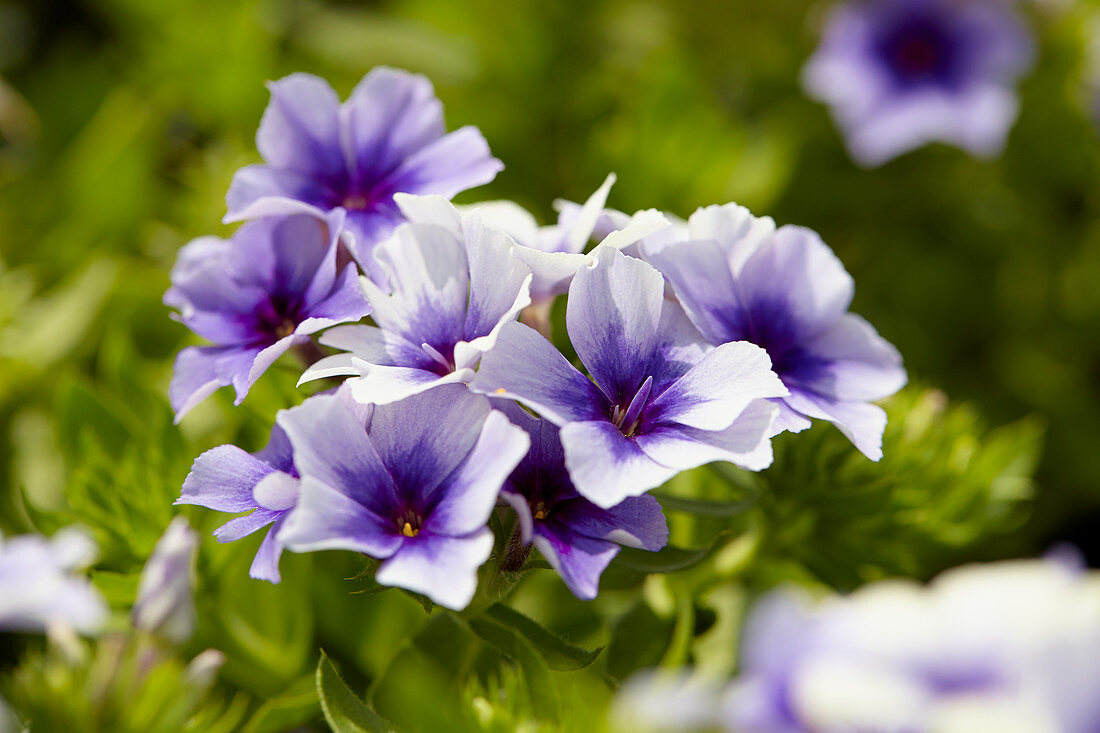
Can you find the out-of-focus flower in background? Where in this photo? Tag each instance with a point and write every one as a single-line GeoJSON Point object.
{"type": "Point", "coordinates": [40, 585]}
{"type": "Point", "coordinates": [165, 604]}
{"type": "Point", "coordinates": [982, 649]}
{"type": "Point", "coordinates": [898, 74]}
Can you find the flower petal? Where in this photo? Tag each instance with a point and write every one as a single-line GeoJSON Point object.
{"type": "Point", "coordinates": [222, 478]}
{"type": "Point", "coordinates": [328, 519]}
{"type": "Point", "coordinates": [455, 162]}
{"type": "Point", "coordinates": [607, 467]}
{"type": "Point", "coordinates": [578, 559]}
{"type": "Point", "coordinates": [861, 422]}
{"type": "Point", "coordinates": [441, 567]}
{"type": "Point", "coordinates": [526, 367]}
{"type": "Point", "coordinates": [469, 494]}
{"type": "Point", "coordinates": [300, 129]}
{"type": "Point", "coordinates": [746, 442]}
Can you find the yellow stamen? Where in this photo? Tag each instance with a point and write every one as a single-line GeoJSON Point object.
{"type": "Point", "coordinates": [408, 530]}
{"type": "Point", "coordinates": [500, 390]}
{"type": "Point", "coordinates": [540, 514]}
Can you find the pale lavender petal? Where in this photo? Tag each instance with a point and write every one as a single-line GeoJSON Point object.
{"type": "Point", "coordinates": [736, 231]}
{"type": "Point", "coordinates": [326, 519]}
{"type": "Point", "coordinates": [800, 271]}
{"type": "Point", "coordinates": [344, 303]}
{"type": "Point", "coordinates": [194, 377]}
{"type": "Point", "coordinates": [497, 278]}
{"type": "Point", "coordinates": [277, 491]}
{"type": "Point", "coordinates": [522, 507]}
{"type": "Point", "coordinates": [607, 467]}
{"type": "Point", "coordinates": [222, 478]}
{"type": "Point", "coordinates": [455, 162]}
{"type": "Point", "coordinates": [715, 391]}
{"type": "Point", "coordinates": [300, 129]}
{"type": "Point", "coordinates": [634, 522]}
{"type": "Point", "coordinates": [861, 422]}
{"type": "Point", "coordinates": [612, 315]}
{"type": "Point", "coordinates": [375, 346]}
{"type": "Point", "coordinates": [788, 419]}
{"type": "Point", "coordinates": [366, 230]}
{"type": "Point", "coordinates": [469, 494]}
{"type": "Point", "coordinates": [441, 567]}
{"type": "Point", "coordinates": [424, 438]}
{"type": "Point", "coordinates": [264, 190]}
{"type": "Point", "coordinates": [331, 447]}
{"type": "Point", "coordinates": [390, 115]}
{"type": "Point", "coordinates": [745, 442]}
{"type": "Point", "coordinates": [859, 364]}
{"type": "Point", "coordinates": [384, 385]}
{"type": "Point", "coordinates": [526, 367]}
{"type": "Point", "coordinates": [701, 278]}
{"type": "Point", "coordinates": [427, 270]}
{"type": "Point", "coordinates": [265, 566]}
{"type": "Point", "coordinates": [258, 364]}
{"type": "Point", "coordinates": [239, 527]}
{"type": "Point", "coordinates": [579, 560]}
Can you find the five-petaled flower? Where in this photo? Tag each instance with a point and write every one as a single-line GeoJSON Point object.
{"type": "Point", "coordinates": [271, 286]}
{"type": "Point", "coordinates": [414, 487]}
{"type": "Point", "coordinates": [785, 290]}
{"type": "Point", "coordinates": [902, 73]}
{"type": "Point", "coordinates": [660, 399]}
{"type": "Point", "coordinates": [575, 536]}
{"type": "Point", "coordinates": [454, 283]}
{"type": "Point", "coordinates": [388, 137]}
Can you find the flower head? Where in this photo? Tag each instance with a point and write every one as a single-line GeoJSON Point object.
{"type": "Point", "coordinates": [575, 536]}
{"type": "Point", "coordinates": [786, 291]}
{"type": "Point", "coordinates": [271, 286]}
{"type": "Point", "coordinates": [902, 73]}
{"type": "Point", "coordinates": [660, 399]}
{"type": "Point", "coordinates": [321, 155]}
{"type": "Point", "coordinates": [40, 585]}
{"type": "Point", "coordinates": [454, 283]}
{"type": "Point", "coordinates": [413, 488]}
{"type": "Point", "coordinates": [165, 602]}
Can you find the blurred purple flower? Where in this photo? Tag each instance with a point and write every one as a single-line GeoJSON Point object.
{"type": "Point", "coordinates": [575, 536]}
{"type": "Point", "coordinates": [165, 603]}
{"type": "Point", "coordinates": [271, 286]}
{"type": "Point", "coordinates": [1008, 646]}
{"type": "Point", "coordinates": [322, 155]}
{"type": "Point", "coordinates": [40, 587]}
{"type": "Point", "coordinates": [414, 489]}
{"type": "Point", "coordinates": [899, 74]}
{"type": "Point", "coordinates": [739, 279]}
{"type": "Point", "coordinates": [455, 284]}
{"type": "Point", "coordinates": [660, 399]}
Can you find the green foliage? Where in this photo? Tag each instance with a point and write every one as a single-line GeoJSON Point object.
{"type": "Point", "coordinates": [344, 712]}
{"type": "Point", "coordinates": [115, 684]}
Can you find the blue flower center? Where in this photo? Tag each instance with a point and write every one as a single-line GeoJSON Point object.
{"type": "Point", "coordinates": [276, 318]}
{"type": "Point", "coordinates": [409, 522]}
{"type": "Point", "coordinates": [921, 48]}
{"type": "Point", "coordinates": [770, 326]}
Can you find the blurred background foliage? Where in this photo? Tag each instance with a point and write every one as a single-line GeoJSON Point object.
{"type": "Point", "coordinates": [121, 123]}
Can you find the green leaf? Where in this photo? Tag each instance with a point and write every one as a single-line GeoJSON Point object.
{"type": "Point", "coordinates": [638, 640]}
{"type": "Point", "coordinates": [559, 654]}
{"type": "Point", "coordinates": [668, 560]}
{"type": "Point", "coordinates": [296, 705]}
{"type": "Point", "coordinates": [536, 673]}
{"type": "Point", "coordinates": [344, 711]}
{"type": "Point", "coordinates": [704, 508]}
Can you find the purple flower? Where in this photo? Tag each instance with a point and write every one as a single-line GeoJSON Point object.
{"type": "Point", "coordinates": [554, 253]}
{"type": "Point", "coordinates": [788, 293]}
{"type": "Point", "coordinates": [1007, 646]}
{"type": "Point", "coordinates": [227, 479]}
{"type": "Point", "coordinates": [902, 73]}
{"type": "Point", "coordinates": [575, 536]}
{"type": "Point", "coordinates": [40, 585]}
{"type": "Point", "coordinates": [255, 296]}
{"type": "Point", "coordinates": [322, 155]}
{"type": "Point", "coordinates": [455, 283]}
{"type": "Point", "coordinates": [415, 488]}
{"type": "Point", "coordinates": [165, 603]}
{"type": "Point", "coordinates": [660, 400]}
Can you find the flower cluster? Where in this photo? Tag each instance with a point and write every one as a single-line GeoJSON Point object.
{"type": "Point", "coordinates": [1010, 646]}
{"type": "Point", "coordinates": [899, 74]}
{"type": "Point", "coordinates": [696, 341]}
